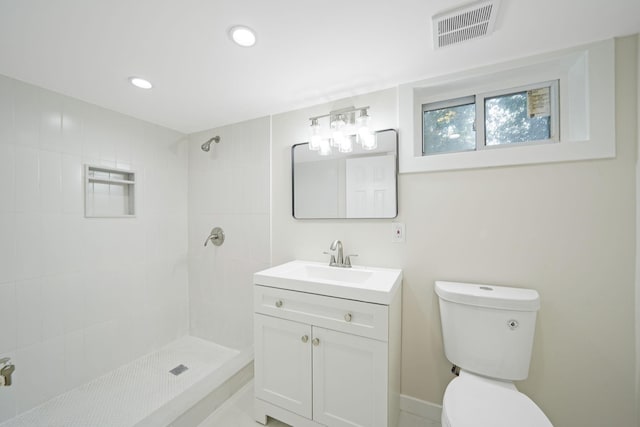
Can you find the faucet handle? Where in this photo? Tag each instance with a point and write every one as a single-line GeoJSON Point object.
{"type": "Point", "coordinates": [347, 260]}
{"type": "Point", "coordinates": [332, 260]}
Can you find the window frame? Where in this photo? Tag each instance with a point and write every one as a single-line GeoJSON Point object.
{"type": "Point", "coordinates": [448, 103]}
{"type": "Point", "coordinates": [554, 125]}
{"type": "Point", "coordinates": [479, 101]}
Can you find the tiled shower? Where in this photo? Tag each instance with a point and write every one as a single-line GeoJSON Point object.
{"type": "Point", "coordinates": [83, 296]}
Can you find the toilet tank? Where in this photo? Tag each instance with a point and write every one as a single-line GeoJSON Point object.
{"type": "Point", "coordinates": [488, 329]}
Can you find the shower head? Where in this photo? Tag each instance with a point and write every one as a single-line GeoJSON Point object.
{"type": "Point", "coordinates": [207, 145]}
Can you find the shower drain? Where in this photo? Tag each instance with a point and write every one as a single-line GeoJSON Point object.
{"type": "Point", "coordinates": [178, 369]}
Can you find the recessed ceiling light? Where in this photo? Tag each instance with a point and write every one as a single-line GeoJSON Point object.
{"type": "Point", "coordinates": [140, 82]}
{"type": "Point", "coordinates": [242, 36]}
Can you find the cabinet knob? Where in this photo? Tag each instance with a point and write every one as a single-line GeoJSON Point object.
{"type": "Point", "coordinates": [315, 342]}
{"type": "Point", "coordinates": [305, 338]}
{"type": "Point", "coordinates": [279, 303]}
{"type": "Point", "coordinates": [347, 317]}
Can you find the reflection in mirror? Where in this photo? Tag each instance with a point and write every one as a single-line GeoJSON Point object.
{"type": "Point", "coordinates": [359, 184]}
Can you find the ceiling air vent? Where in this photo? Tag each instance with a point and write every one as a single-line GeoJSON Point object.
{"type": "Point", "coordinates": [464, 23]}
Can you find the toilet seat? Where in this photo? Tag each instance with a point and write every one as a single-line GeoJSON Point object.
{"type": "Point", "coordinates": [474, 401]}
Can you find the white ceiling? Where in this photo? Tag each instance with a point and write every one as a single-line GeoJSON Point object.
{"type": "Point", "coordinates": [307, 52]}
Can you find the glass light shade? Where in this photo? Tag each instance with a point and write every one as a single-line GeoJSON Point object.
{"type": "Point", "coordinates": [337, 130]}
{"type": "Point", "coordinates": [325, 147]}
{"type": "Point", "coordinates": [336, 138]}
{"type": "Point", "coordinates": [363, 123]}
{"type": "Point", "coordinates": [314, 135]}
{"type": "Point", "coordinates": [346, 145]}
{"type": "Point", "coordinates": [368, 141]}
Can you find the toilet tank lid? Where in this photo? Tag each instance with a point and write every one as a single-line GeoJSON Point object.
{"type": "Point", "coordinates": [499, 297]}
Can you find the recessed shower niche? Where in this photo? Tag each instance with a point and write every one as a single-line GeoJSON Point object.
{"type": "Point", "coordinates": [109, 192]}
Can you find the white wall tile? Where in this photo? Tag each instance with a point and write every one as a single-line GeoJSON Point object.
{"type": "Point", "coordinates": [50, 182]}
{"type": "Point", "coordinates": [28, 235]}
{"type": "Point", "coordinates": [72, 124]}
{"type": "Point", "coordinates": [52, 358]}
{"type": "Point", "coordinates": [29, 317]}
{"type": "Point", "coordinates": [72, 184]}
{"type": "Point", "coordinates": [54, 243]}
{"type": "Point", "coordinates": [7, 178]}
{"type": "Point", "coordinates": [8, 399]}
{"type": "Point", "coordinates": [74, 307]}
{"type": "Point", "coordinates": [6, 112]}
{"type": "Point", "coordinates": [100, 340]}
{"type": "Point", "coordinates": [8, 317]}
{"type": "Point", "coordinates": [54, 306]}
{"type": "Point", "coordinates": [50, 121]}
{"type": "Point", "coordinates": [7, 247]}
{"type": "Point", "coordinates": [26, 112]}
{"type": "Point", "coordinates": [75, 366]}
{"type": "Point", "coordinates": [27, 179]}
{"type": "Point", "coordinates": [226, 186]}
{"type": "Point", "coordinates": [30, 367]}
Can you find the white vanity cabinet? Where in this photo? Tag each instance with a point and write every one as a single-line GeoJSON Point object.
{"type": "Point", "coordinates": [326, 361]}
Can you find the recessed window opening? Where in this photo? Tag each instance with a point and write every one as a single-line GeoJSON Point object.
{"type": "Point", "coordinates": [509, 117]}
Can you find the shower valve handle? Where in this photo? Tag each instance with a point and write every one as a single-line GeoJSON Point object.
{"type": "Point", "coordinates": [216, 236]}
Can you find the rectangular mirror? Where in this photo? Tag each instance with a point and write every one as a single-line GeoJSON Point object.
{"type": "Point", "coordinates": [360, 184]}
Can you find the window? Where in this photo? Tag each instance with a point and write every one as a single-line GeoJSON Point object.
{"type": "Point", "coordinates": [581, 123]}
{"type": "Point", "coordinates": [449, 126]}
{"type": "Point", "coordinates": [516, 116]}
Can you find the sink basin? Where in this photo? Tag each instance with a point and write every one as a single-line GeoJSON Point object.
{"type": "Point", "coordinates": [370, 284]}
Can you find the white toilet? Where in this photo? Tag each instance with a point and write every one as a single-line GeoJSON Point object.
{"type": "Point", "coordinates": [488, 334]}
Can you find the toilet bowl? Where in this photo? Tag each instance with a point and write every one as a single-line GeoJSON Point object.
{"type": "Point", "coordinates": [488, 334]}
{"type": "Point", "coordinates": [475, 401]}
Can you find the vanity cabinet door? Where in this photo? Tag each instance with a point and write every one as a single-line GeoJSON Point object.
{"type": "Point", "coordinates": [350, 380]}
{"type": "Point", "coordinates": [283, 363]}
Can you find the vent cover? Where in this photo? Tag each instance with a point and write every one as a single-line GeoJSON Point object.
{"type": "Point", "coordinates": [464, 23]}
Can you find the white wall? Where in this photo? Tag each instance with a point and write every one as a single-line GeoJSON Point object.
{"type": "Point", "coordinates": [566, 229]}
{"type": "Point", "coordinates": [79, 297]}
{"type": "Point", "coordinates": [228, 188]}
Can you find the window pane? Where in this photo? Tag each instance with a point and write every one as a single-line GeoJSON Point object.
{"type": "Point", "coordinates": [507, 122]}
{"type": "Point", "coordinates": [449, 129]}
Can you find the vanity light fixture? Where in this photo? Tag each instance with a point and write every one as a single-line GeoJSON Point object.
{"type": "Point", "coordinates": [242, 35]}
{"type": "Point", "coordinates": [346, 126]}
{"type": "Point", "coordinates": [140, 82]}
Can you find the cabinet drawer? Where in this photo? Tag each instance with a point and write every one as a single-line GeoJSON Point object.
{"type": "Point", "coordinates": [354, 317]}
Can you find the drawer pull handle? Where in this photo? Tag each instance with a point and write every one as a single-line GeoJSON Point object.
{"type": "Point", "coordinates": [315, 342]}
{"type": "Point", "coordinates": [279, 303]}
{"type": "Point", "coordinates": [305, 338]}
{"type": "Point", "coordinates": [347, 317]}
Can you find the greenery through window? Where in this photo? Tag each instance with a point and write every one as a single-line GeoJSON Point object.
{"type": "Point", "coordinates": [449, 126]}
{"type": "Point", "coordinates": [512, 116]}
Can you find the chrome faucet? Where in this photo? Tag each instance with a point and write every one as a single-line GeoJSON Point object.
{"type": "Point", "coordinates": [339, 260]}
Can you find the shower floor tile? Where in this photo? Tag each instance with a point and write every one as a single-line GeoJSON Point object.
{"type": "Point", "coordinates": [130, 393]}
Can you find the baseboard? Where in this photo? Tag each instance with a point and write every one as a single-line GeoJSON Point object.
{"type": "Point", "coordinates": [422, 408]}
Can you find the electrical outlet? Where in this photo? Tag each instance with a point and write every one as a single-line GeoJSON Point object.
{"type": "Point", "coordinates": [397, 232]}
